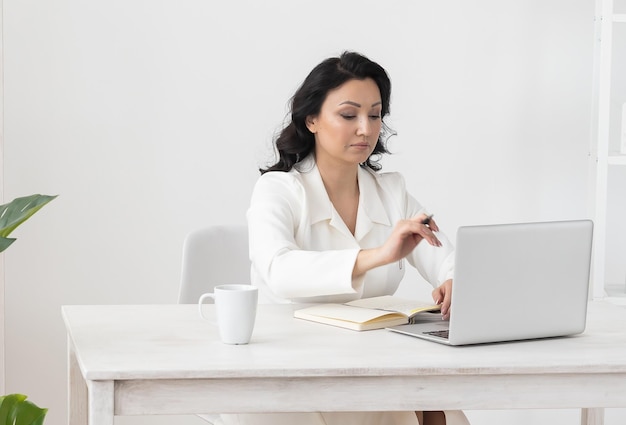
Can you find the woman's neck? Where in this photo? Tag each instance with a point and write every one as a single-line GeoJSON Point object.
{"type": "Point", "coordinates": [340, 181]}
{"type": "Point", "coordinates": [342, 187]}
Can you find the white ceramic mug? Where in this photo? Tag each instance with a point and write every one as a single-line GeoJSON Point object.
{"type": "Point", "coordinates": [235, 306]}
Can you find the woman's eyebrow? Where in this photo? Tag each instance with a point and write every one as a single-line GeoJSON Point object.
{"type": "Point", "coordinates": [358, 105]}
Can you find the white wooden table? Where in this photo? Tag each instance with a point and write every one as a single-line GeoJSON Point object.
{"type": "Point", "coordinates": [164, 359]}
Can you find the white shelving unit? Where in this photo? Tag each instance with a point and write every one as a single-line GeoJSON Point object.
{"type": "Point", "coordinates": [605, 157]}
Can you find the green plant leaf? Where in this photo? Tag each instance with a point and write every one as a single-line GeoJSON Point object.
{"type": "Point", "coordinates": [28, 413]}
{"type": "Point", "coordinates": [7, 407]}
{"type": "Point", "coordinates": [16, 410]}
{"type": "Point", "coordinates": [5, 242]}
{"type": "Point", "coordinates": [18, 211]}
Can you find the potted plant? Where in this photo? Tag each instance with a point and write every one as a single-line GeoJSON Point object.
{"type": "Point", "coordinates": [14, 408]}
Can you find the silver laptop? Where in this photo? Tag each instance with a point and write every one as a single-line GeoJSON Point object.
{"type": "Point", "coordinates": [514, 282]}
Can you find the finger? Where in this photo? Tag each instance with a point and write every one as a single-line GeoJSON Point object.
{"type": "Point", "coordinates": [433, 225]}
{"type": "Point", "coordinates": [430, 222]}
{"type": "Point", "coordinates": [421, 224]}
{"type": "Point", "coordinates": [437, 296]}
{"type": "Point", "coordinates": [423, 218]}
{"type": "Point", "coordinates": [445, 306]}
{"type": "Point", "coordinates": [417, 226]}
{"type": "Point", "coordinates": [428, 234]}
{"type": "Point", "coordinates": [426, 218]}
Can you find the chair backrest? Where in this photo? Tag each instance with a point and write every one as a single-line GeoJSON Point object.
{"type": "Point", "coordinates": [212, 256]}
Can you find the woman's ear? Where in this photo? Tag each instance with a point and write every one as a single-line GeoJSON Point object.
{"type": "Point", "coordinates": [310, 124]}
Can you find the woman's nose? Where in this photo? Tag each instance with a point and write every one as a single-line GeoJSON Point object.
{"type": "Point", "coordinates": [365, 127]}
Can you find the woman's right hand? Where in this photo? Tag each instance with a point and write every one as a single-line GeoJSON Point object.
{"type": "Point", "coordinates": [402, 241]}
{"type": "Point", "coordinates": [406, 235]}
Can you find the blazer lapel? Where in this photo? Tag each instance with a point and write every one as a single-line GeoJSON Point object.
{"type": "Point", "coordinates": [371, 208]}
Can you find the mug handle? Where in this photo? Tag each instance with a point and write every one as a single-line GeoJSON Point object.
{"type": "Point", "coordinates": [200, 302]}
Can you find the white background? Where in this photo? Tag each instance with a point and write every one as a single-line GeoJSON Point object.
{"type": "Point", "coordinates": [151, 118]}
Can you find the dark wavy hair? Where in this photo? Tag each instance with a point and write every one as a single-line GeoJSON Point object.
{"type": "Point", "coordinates": [295, 141]}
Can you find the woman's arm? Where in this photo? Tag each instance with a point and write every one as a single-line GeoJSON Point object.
{"type": "Point", "coordinates": [406, 235]}
{"type": "Point", "coordinates": [278, 211]}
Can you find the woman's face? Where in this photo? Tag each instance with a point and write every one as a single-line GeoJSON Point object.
{"type": "Point", "coordinates": [347, 128]}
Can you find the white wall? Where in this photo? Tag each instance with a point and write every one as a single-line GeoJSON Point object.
{"type": "Point", "coordinates": [2, 201]}
{"type": "Point", "coordinates": [150, 119]}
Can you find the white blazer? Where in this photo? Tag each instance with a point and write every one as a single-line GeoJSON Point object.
{"type": "Point", "coordinates": [302, 251]}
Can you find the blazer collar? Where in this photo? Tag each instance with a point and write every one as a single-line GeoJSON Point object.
{"type": "Point", "coordinates": [371, 208]}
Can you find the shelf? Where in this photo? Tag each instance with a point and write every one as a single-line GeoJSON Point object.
{"type": "Point", "coordinates": [621, 301]}
{"type": "Point", "coordinates": [606, 20]}
{"type": "Point", "coordinates": [617, 159]}
{"type": "Point", "coordinates": [616, 293]}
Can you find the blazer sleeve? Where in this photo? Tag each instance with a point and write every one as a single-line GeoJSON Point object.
{"type": "Point", "coordinates": [276, 212]}
{"type": "Point", "coordinates": [434, 264]}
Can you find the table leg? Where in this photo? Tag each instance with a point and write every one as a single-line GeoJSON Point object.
{"type": "Point", "coordinates": [101, 403]}
{"type": "Point", "coordinates": [594, 416]}
{"type": "Point", "coordinates": [76, 391]}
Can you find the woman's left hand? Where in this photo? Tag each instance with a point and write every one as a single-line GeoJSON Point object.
{"type": "Point", "coordinates": [443, 295]}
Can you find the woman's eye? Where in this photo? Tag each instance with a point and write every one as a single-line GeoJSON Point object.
{"type": "Point", "coordinates": [352, 117]}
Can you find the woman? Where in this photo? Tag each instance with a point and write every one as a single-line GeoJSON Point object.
{"type": "Point", "coordinates": [326, 226]}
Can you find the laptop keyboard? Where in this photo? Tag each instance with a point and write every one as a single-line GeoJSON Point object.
{"type": "Point", "coordinates": [441, 334]}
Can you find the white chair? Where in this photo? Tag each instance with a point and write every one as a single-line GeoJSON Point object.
{"type": "Point", "coordinates": [213, 256]}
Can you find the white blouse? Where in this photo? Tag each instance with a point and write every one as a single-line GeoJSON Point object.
{"type": "Point", "coordinates": [302, 251]}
